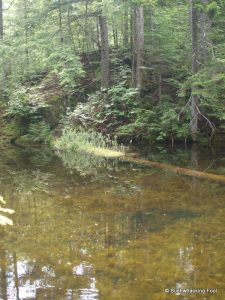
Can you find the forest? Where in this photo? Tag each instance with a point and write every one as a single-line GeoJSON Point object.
{"type": "Point", "coordinates": [112, 158]}
{"type": "Point", "coordinates": [148, 70]}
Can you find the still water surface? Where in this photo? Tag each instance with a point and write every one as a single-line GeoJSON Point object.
{"type": "Point", "coordinates": [111, 230]}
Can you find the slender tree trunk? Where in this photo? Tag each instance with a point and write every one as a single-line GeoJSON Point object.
{"type": "Point", "coordinates": [16, 278]}
{"type": "Point", "coordinates": [1, 20]}
{"type": "Point", "coordinates": [60, 23]}
{"type": "Point", "coordinates": [126, 27]}
{"type": "Point", "coordinates": [86, 27]}
{"type": "Point", "coordinates": [160, 88]}
{"type": "Point", "coordinates": [98, 34]}
{"type": "Point", "coordinates": [3, 274]}
{"type": "Point", "coordinates": [204, 26]}
{"type": "Point", "coordinates": [70, 32]}
{"type": "Point", "coordinates": [131, 27]}
{"type": "Point", "coordinates": [195, 68]}
{"type": "Point", "coordinates": [138, 47]}
{"type": "Point", "coordinates": [78, 40]}
{"type": "Point", "coordinates": [104, 52]}
{"type": "Point", "coordinates": [115, 38]}
{"type": "Point", "coordinates": [26, 32]}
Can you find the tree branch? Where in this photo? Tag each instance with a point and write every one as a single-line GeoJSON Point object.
{"type": "Point", "coordinates": [9, 5]}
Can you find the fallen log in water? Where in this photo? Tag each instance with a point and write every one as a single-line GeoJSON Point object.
{"type": "Point", "coordinates": [174, 169]}
{"type": "Point", "coordinates": [110, 153]}
{"type": "Point", "coordinates": [177, 170]}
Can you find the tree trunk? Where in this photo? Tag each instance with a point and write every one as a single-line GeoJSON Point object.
{"type": "Point", "coordinates": [98, 35]}
{"type": "Point", "coordinates": [26, 32]}
{"type": "Point", "coordinates": [199, 28]}
{"type": "Point", "coordinates": [1, 20]}
{"type": "Point", "coordinates": [177, 170]}
{"type": "Point", "coordinates": [3, 274]}
{"type": "Point", "coordinates": [115, 38]}
{"type": "Point", "coordinates": [60, 23]}
{"type": "Point", "coordinates": [160, 88]}
{"type": "Point", "coordinates": [195, 67]}
{"type": "Point", "coordinates": [70, 31]}
{"type": "Point", "coordinates": [86, 28]}
{"type": "Point", "coordinates": [126, 28]}
{"type": "Point", "coordinates": [97, 151]}
{"type": "Point", "coordinates": [138, 47]}
{"type": "Point", "coordinates": [204, 26]}
{"type": "Point", "coordinates": [104, 52]}
{"type": "Point", "coordinates": [16, 277]}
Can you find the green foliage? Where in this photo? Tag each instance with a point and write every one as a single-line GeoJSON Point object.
{"type": "Point", "coordinates": [51, 50]}
{"type": "Point", "coordinates": [114, 111]}
{"type": "Point", "coordinates": [212, 9]}
{"type": "Point", "coordinates": [125, 114]}
{"type": "Point", "coordinates": [26, 110]}
{"type": "Point", "coordinates": [160, 123]}
{"type": "Point", "coordinates": [120, 112]}
{"type": "Point", "coordinates": [166, 52]}
{"type": "Point", "coordinates": [12, 130]}
{"type": "Point", "coordinates": [39, 133]}
{"type": "Point", "coordinates": [79, 139]}
{"type": "Point", "coordinates": [21, 104]}
{"type": "Point", "coordinates": [170, 125]}
{"type": "Point", "coordinates": [209, 85]}
{"type": "Point", "coordinates": [66, 65]}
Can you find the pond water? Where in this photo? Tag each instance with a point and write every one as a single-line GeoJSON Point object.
{"type": "Point", "coordinates": [110, 230]}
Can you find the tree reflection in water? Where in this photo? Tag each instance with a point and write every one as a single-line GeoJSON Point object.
{"type": "Point", "coordinates": [27, 280]}
{"type": "Point", "coordinates": [125, 233]}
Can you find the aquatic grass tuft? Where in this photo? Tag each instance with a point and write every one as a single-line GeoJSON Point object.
{"type": "Point", "coordinates": [89, 141]}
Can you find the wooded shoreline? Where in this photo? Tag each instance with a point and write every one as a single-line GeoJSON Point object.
{"type": "Point", "coordinates": [118, 67]}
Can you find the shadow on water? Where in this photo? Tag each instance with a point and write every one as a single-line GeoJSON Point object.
{"type": "Point", "coordinates": [157, 220]}
{"type": "Point", "coordinates": [110, 230]}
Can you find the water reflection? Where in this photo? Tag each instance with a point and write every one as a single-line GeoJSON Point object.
{"type": "Point", "coordinates": [22, 281]}
{"type": "Point", "coordinates": [126, 233]}
{"type": "Point", "coordinates": [84, 163]}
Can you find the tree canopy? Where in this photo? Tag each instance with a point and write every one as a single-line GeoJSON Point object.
{"type": "Point", "coordinates": [144, 69]}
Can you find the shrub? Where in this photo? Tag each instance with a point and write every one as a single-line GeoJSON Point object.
{"type": "Point", "coordinates": [39, 133]}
